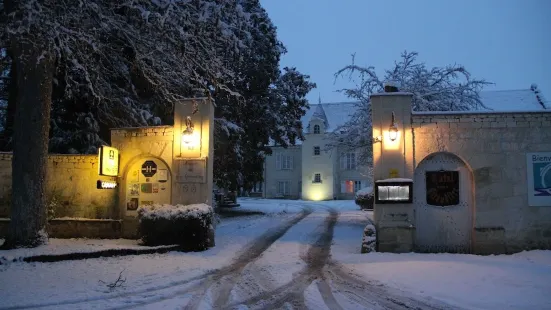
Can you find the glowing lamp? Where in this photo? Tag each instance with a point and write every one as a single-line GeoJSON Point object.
{"type": "Point", "coordinates": [393, 129]}
{"type": "Point", "coordinates": [187, 134]}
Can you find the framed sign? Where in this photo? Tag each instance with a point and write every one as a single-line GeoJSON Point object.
{"type": "Point", "coordinates": [538, 166]}
{"type": "Point", "coordinates": [108, 161]}
{"type": "Point", "coordinates": [442, 188]}
{"type": "Point", "coordinates": [192, 171]}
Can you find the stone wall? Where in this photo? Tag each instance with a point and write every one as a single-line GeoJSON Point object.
{"type": "Point", "coordinates": [494, 145]}
{"type": "Point", "coordinates": [71, 188]}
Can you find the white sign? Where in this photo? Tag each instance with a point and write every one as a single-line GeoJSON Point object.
{"type": "Point", "coordinates": [539, 179]}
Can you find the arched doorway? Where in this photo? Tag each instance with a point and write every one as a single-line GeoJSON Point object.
{"type": "Point", "coordinates": [148, 181]}
{"type": "Point", "coordinates": [443, 204]}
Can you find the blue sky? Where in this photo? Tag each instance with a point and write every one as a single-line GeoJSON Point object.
{"type": "Point", "coordinates": [502, 41]}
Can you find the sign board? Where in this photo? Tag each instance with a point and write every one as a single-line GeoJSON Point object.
{"type": "Point", "coordinates": [442, 188]}
{"type": "Point", "coordinates": [538, 167]}
{"type": "Point", "coordinates": [108, 161]}
{"type": "Point", "coordinates": [192, 171]}
{"type": "Point", "coordinates": [149, 168]}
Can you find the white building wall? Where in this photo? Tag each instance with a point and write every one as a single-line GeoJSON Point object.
{"type": "Point", "coordinates": [322, 164]}
{"type": "Point", "coordinates": [275, 172]}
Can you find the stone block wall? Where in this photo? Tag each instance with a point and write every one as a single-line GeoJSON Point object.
{"type": "Point", "coordinates": [71, 188]}
{"type": "Point", "coordinates": [494, 145]}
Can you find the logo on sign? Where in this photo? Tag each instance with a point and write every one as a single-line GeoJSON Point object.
{"type": "Point", "coordinates": [149, 168]}
{"type": "Point", "coordinates": [541, 166]}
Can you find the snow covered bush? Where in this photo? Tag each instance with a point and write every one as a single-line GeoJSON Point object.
{"type": "Point", "coordinates": [364, 198]}
{"type": "Point", "coordinates": [189, 226]}
{"type": "Point", "coordinates": [369, 239]}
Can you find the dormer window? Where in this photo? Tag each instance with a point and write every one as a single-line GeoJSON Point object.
{"type": "Point", "coordinates": [317, 129]}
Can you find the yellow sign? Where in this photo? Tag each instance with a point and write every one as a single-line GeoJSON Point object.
{"type": "Point", "coordinates": [108, 161]}
{"type": "Point", "coordinates": [393, 173]}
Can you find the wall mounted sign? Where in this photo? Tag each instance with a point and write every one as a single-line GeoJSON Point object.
{"type": "Point", "coordinates": [442, 188]}
{"type": "Point", "coordinates": [149, 168]}
{"type": "Point", "coordinates": [108, 159]}
{"type": "Point", "coordinates": [393, 173]}
{"type": "Point", "coordinates": [539, 179]}
{"type": "Point", "coordinates": [192, 171]}
{"type": "Point", "coordinates": [106, 184]}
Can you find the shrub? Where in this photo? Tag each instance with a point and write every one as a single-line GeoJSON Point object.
{"type": "Point", "coordinates": [189, 226]}
{"type": "Point", "coordinates": [369, 239]}
{"type": "Point", "coordinates": [364, 198]}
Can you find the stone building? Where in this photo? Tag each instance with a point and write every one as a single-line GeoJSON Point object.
{"type": "Point", "coordinates": [154, 165]}
{"type": "Point", "coordinates": [471, 181]}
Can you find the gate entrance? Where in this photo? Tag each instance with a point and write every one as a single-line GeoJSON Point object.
{"type": "Point", "coordinates": [443, 204]}
{"type": "Point", "coordinates": [148, 181]}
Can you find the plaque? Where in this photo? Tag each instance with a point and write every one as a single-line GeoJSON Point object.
{"type": "Point", "coordinates": [442, 188]}
{"type": "Point", "coordinates": [192, 171]}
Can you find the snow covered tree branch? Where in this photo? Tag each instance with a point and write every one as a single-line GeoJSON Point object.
{"type": "Point", "coordinates": [437, 89]}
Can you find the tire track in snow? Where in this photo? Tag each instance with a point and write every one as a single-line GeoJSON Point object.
{"type": "Point", "coordinates": [250, 252]}
{"type": "Point", "coordinates": [293, 292]}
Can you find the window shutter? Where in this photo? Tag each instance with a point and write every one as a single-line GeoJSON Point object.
{"type": "Point", "coordinates": [343, 161]}
{"type": "Point", "coordinates": [343, 187]}
{"type": "Point", "coordinates": [291, 164]}
{"type": "Point", "coordinates": [278, 161]}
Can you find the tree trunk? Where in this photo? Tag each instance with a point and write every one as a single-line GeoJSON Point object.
{"type": "Point", "coordinates": [6, 143]}
{"type": "Point", "coordinates": [34, 72]}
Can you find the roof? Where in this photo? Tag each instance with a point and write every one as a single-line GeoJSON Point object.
{"type": "Point", "coordinates": [522, 100]}
{"type": "Point", "coordinates": [511, 100]}
{"type": "Point", "coordinates": [336, 114]}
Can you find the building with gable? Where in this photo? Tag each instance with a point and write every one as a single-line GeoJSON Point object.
{"type": "Point", "coordinates": [308, 171]}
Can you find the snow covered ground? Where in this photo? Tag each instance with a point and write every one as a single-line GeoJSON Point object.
{"type": "Point", "coordinates": [304, 254]}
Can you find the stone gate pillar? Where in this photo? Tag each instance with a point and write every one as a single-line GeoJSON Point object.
{"type": "Point", "coordinates": [193, 151]}
{"type": "Point", "coordinates": [393, 164]}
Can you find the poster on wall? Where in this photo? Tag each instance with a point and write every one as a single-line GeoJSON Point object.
{"type": "Point", "coordinates": [134, 189]}
{"type": "Point", "coordinates": [538, 166]}
{"type": "Point", "coordinates": [132, 204]}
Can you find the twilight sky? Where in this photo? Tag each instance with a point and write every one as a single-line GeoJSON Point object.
{"type": "Point", "coordinates": [502, 41]}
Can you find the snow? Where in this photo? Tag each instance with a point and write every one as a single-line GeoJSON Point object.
{"type": "Point", "coordinates": [167, 211]}
{"type": "Point", "coordinates": [518, 281]}
{"type": "Point", "coordinates": [394, 180]}
{"type": "Point", "coordinates": [366, 191]}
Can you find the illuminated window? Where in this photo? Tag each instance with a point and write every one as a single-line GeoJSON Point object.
{"type": "Point", "coordinates": [317, 178]}
{"type": "Point", "coordinates": [317, 150]}
{"type": "Point", "coordinates": [317, 129]}
{"type": "Point", "coordinates": [351, 187]}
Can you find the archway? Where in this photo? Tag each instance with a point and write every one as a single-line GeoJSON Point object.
{"type": "Point", "coordinates": [147, 181]}
{"type": "Point", "coordinates": [443, 204]}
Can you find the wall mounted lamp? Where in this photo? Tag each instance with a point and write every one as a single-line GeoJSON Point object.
{"type": "Point", "coordinates": [393, 129]}
{"type": "Point", "coordinates": [187, 134]}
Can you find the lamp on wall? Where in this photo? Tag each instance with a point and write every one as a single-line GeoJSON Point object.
{"type": "Point", "coordinates": [187, 135]}
{"type": "Point", "coordinates": [393, 129]}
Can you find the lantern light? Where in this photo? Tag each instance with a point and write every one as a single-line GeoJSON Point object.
{"type": "Point", "coordinates": [393, 130]}
{"type": "Point", "coordinates": [187, 135]}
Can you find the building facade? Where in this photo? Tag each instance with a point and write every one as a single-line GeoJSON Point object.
{"type": "Point", "coordinates": [310, 171]}
{"type": "Point", "coordinates": [469, 182]}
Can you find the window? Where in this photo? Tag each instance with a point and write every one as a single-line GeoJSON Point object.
{"type": "Point", "coordinates": [317, 150]}
{"type": "Point", "coordinates": [284, 188]}
{"type": "Point", "coordinates": [284, 162]}
{"type": "Point", "coordinates": [351, 187]}
{"type": "Point", "coordinates": [317, 178]}
{"type": "Point", "coordinates": [317, 129]}
{"type": "Point", "coordinates": [348, 161]}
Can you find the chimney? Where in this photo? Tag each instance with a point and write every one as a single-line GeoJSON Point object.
{"type": "Point", "coordinates": [391, 86]}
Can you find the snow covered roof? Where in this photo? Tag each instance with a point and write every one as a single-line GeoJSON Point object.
{"type": "Point", "coordinates": [511, 100]}
{"type": "Point", "coordinates": [336, 114]}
